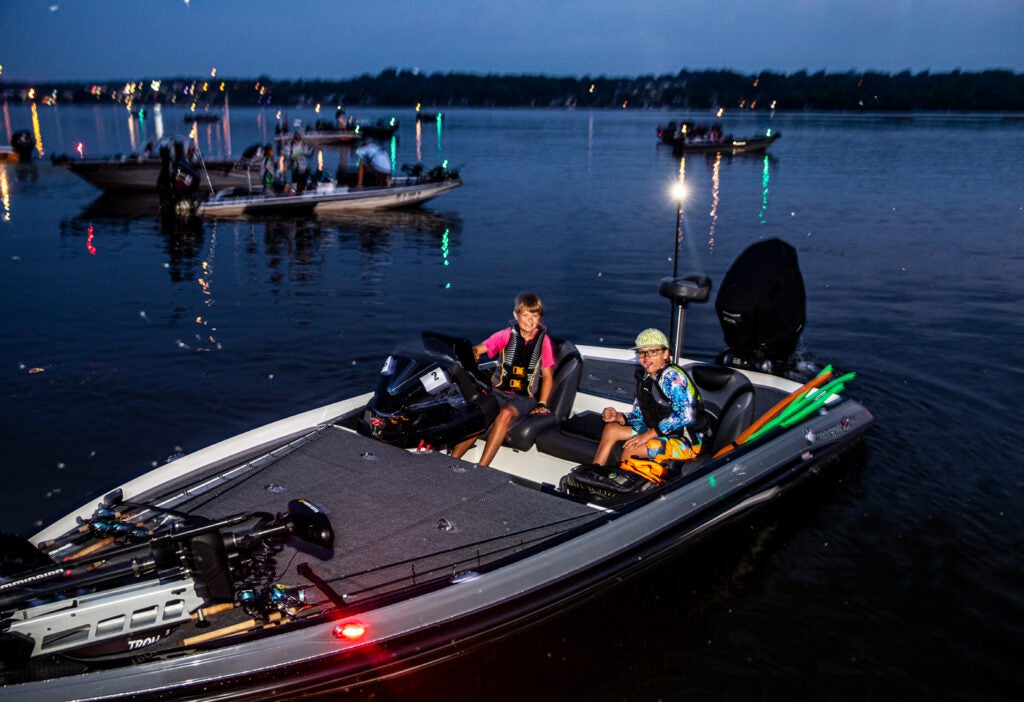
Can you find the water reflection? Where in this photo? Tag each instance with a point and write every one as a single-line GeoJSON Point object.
{"type": "Point", "coordinates": [136, 134]}
{"type": "Point", "coordinates": [717, 172]}
{"type": "Point", "coordinates": [184, 246]}
{"type": "Point", "coordinates": [5, 193]}
{"type": "Point", "coordinates": [36, 131]}
{"type": "Point", "coordinates": [7, 122]}
{"type": "Point", "coordinates": [297, 246]}
{"type": "Point", "coordinates": [116, 206]}
{"type": "Point", "coordinates": [765, 178]}
{"type": "Point", "coordinates": [437, 129]}
{"type": "Point", "coordinates": [716, 184]}
{"type": "Point", "coordinates": [23, 172]}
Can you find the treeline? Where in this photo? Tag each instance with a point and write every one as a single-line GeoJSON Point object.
{"type": "Point", "coordinates": [992, 90]}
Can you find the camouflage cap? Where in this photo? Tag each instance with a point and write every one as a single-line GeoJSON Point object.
{"type": "Point", "coordinates": [650, 337]}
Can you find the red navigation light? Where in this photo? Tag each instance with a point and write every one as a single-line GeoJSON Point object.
{"type": "Point", "coordinates": [350, 631]}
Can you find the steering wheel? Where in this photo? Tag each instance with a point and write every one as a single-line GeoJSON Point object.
{"type": "Point", "coordinates": [462, 349]}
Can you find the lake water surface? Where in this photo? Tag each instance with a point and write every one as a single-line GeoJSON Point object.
{"type": "Point", "coordinates": [126, 342]}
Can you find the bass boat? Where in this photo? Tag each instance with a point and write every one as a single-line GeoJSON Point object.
{"type": "Point", "coordinates": [139, 171]}
{"type": "Point", "coordinates": [687, 138]}
{"type": "Point", "coordinates": [729, 145]}
{"type": "Point", "coordinates": [343, 544]}
{"type": "Point", "coordinates": [329, 197]}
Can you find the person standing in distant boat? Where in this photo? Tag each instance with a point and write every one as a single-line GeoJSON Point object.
{"type": "Point", "coordinates": [300, 171]}
{"type": "Point", "coordinates": [374, 165]}
{"type": "Point", "coordinates": [524, 376]}
{"type": "Point", "coordinates": [667, 421]}
{"type": "Point", "coordinates": [268, 173]}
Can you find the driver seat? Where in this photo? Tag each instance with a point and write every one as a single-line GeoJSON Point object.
{"type": "Point", "coordinates": [568, 372]}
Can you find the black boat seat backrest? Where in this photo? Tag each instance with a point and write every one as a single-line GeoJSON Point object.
{"type": "Point", "coordinates": [728, 401]}
{"type": "Point", "coordinates": [568, 372]}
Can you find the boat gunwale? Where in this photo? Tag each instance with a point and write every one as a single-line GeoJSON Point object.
{"type": "Point", "coordinates": [465, 601]}
{"type": "Point", "coordinates": [255, 203]}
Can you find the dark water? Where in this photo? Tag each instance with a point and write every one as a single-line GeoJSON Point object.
{"type": "Point", "coordinates": [125, 343]}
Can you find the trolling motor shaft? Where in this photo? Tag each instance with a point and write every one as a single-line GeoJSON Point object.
{"type": "Point", "coordinates": [110, 607]}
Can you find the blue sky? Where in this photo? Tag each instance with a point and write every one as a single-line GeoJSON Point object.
{"type": "Point", "coordinates": [136, 39]}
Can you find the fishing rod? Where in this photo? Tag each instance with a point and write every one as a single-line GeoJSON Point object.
{"type": "Point", "coordinates": [249, 469]}
{"type": "Point", "coordinates": [304, 520]}
{"type": "Point", "coordinates": [200, 570]}
{"type": "Point", "coordinates": [67, 572]}
{"type": "Point", "coordinates": [107, 509]}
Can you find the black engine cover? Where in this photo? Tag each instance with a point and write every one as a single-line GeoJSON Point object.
{"type": "Point", "coordinates": [761, 302]}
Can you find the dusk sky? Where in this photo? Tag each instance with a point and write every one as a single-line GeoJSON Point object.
{"type": "Point", "coordinates": [331, 39]}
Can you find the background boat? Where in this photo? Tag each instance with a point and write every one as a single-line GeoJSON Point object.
{"type": "Point", "coordinates": [401, 192]}
{"type": "Point", "coordinates": [138, 171]}
{"type": "Point", "coordinates": [748, 145]}
{"type": "Point", "coordinates": [687, 138]}
{"type": "Point", "coordinates": [202, 117]}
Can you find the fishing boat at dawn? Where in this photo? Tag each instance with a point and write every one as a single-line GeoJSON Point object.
{"type": "Point", "coordinates": [329, 196]}
{"type": "Point", "coordinates": [139, 171]}
{"type": "Point", "coordinates": [344, 544]}
{"type": "Point", "coordinates": [686, 138]}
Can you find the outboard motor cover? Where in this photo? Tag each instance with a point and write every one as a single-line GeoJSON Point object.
{"type": "Point", "coordinates": [432, 393]}
{"type": "Point", "coordinates": [23, 144]}
{"type": "Point", "coordinates": [761, 305]}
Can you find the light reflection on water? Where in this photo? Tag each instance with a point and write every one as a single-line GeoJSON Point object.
{"type": "Point", "coordinates": [151, 339]}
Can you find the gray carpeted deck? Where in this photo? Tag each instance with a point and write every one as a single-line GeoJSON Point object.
{"type": "Point", "coordinates": [389, 506]}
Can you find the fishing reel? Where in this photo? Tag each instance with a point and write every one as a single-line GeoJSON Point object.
{"type": "Point", "coordinates": [286, 600]}
{"type": "Point", "coordinates": [206, 554]}
{"type": "Point", "coordinates": [117, 600]}
{"type": "Point", "coordinates": [218, 560]}
{"type": "Point", "coordinates": [107, 523]}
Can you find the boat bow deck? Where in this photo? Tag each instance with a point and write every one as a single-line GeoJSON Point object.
{"type": "Point", "coordinates": [397, 515]}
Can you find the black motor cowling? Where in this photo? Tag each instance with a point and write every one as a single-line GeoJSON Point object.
{"type": "Point", "coordinates": [23, 144]}
{"type": "Point", "coordinates": [430, 393]}
{"type": "Point", "coordinates": [761, 306]}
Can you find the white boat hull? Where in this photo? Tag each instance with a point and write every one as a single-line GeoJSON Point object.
{"type": "Point", "coordinates": [327, 199]}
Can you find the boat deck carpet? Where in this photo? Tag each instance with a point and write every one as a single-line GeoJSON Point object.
{"type": "Point", "coordinates": [396, 514]}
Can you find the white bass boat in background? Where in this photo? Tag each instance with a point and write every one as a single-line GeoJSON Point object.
{"type": "Point", "coordinates": [139, 171]}
{"type": "Point", "coordinates": [331, 197]}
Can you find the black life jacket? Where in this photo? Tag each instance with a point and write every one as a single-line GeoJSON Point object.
{"type": "Point", "coordinates": [655, 405]}
{"type": "Point", "coordinates": [520, 360]}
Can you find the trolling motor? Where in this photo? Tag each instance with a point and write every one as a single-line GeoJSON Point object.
{"type": "Point", "coordinates": [23, 144]}
{"type": "Point", "coordinates": [135, 595]}
{"type": "Point", "coordinates": [177, 183]}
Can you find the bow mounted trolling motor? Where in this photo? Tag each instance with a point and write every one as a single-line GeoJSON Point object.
{"type": "Point", "coordinates": [126, 598]}
{"type": "Point", "coordinates": [681, 292]}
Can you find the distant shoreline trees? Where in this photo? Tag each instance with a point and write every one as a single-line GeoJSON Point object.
{"type": "Point", "coordinates": [956, 91]}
